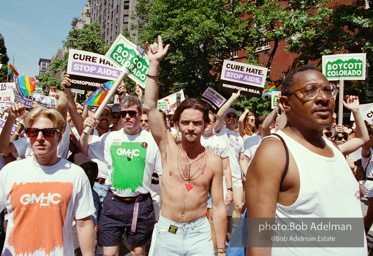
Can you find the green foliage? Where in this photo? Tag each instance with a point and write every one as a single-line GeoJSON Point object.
{"type": "Point", "coordinates": [201, 35]}
{"type": "Point", "coordinates": [204, 33]}
{"type": "Point", "coordinates": [3, 60]}
{"type": "Point", "coordinates": [48, 80]}
{"type": "Point", "coordinates": [74, 21]}
{"type": "Point", "coordinates": [89, 38]}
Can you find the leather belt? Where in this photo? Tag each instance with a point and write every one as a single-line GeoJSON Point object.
{"type": "Point", "coordinates": [140, 198]}
{"type": "Point", "coordinates": [100, 180]}
{"type": "Point", "coordinates": [370, 179]}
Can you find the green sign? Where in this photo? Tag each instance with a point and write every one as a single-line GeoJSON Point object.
{"type": "Point", "coordinates": [127, 55]}
{"type": "Point", "coordinates": [162, 105]}
{"type": "Point", "coordinates": [344, 66]}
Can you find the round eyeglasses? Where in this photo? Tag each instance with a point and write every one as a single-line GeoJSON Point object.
{"type": "Point", "coordinates": [310, 91]}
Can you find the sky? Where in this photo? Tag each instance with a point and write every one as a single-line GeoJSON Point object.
{"type": "Point", "coordinates": [34, 29]}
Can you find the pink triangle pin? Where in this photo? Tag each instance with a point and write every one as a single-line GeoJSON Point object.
{"type": "Point", "coordinates": [188, 186]}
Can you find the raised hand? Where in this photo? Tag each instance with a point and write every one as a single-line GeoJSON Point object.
{"type": "Point", "coordinates": [156, 51]}
{"type": "Point", "coordinates": [16, 110]}
{"type": "Point", "coordinates": [66, 82]}
{"type": "Point", "coordinates": [351, 102]}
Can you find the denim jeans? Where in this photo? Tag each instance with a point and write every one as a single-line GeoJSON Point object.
{"type": "Point", "coordinates": [191, 238]}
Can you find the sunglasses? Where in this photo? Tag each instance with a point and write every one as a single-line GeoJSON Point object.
{"type": "Point", "coordinates": [229, 116]}
{"type": "Point", "coordinates": [115, 116]}
{"type": "Point", "coordinates": [131, 113]}
{"type": "Point", "coordinates": [47, 132]}
{"type": "Point", "coordinates": [328, 134]}
{"type": "Point", "coordinates": [341, 136]}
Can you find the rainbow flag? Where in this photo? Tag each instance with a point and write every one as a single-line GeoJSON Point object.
{"type": "Point", "coordinates": [24, 85]}
{"type": "Point", "coordinates": [12, 71]}
{"type": "Point", "coordinates": [99, 95]}
{"type": "Point", "coordinates": [271, 88]}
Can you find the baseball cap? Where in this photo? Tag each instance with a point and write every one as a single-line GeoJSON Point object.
{"type": "Point", "coordinates": [231, 110]}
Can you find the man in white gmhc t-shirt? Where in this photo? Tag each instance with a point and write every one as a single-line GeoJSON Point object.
{"type": "Point", "coordinates": [237, 158]}
{"type": "Point", "coordinates": [44, 194]}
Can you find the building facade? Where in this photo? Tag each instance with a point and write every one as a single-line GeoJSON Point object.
{"type": "Point", "coordinates": [113, 16]}
{"type": "Point", "coordinates": [43, 65]}
{"type": "Point", "coordinates": [85, 16]}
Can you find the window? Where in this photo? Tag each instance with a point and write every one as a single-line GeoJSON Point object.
{"type": "Point", "coordinates": [262, 44]}
{"type": "Point", "coordinates": [125, 19]}
{"type": "Point", "coordinates": [126, 4]}
{"type": "Point", "coordinates": [234, 54]}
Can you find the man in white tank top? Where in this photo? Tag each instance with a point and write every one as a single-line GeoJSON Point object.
{"type": "Point", "coordinates": [318, 182]}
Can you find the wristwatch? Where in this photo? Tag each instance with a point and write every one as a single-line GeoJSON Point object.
{"type": "Point", "coordinates": [231, 189]}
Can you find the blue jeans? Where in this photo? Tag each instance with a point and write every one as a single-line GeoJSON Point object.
{"type": "Point", "coordinates": [99, 192]}
{"type": "Point", "coordinates": [2, 231]}
{"type": "Point", "coordinates": [191, 238]}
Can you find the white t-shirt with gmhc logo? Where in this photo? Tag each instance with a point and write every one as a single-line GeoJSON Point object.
{"type": "Point", "coordinates": [42, 202]}
{"type": "Point", "coordinates": [131, 160]}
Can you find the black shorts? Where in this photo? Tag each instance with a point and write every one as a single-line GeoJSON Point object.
{"type": "Point", "coordinates": [116, 218]}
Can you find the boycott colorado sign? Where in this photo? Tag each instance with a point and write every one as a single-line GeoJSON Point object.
{"type": "Point", "coordinates": [344, 66]}
{"type": "Point", "coordinates": [125, 54]}
{"type": "Point", "coordinates": [249, 79]}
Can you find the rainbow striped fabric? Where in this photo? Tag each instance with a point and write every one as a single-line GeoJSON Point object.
{"type": "Point", "coordinates": [99, 95]}
{"type": "Point", "coordinates": [271, 88]}
{"type": "Point", "coordinates": [24, 85]}
{"type": "Point", "coordinates": [12, 71]}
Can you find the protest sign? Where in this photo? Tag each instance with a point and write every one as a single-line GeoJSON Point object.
{"type": "Point", "coordinates": [213, 98]}
{"type": "Point", "coordinates": [77, 91]}
{"type": "Point", "coordinates": [45, 101]}
{"type": "Point", "coordinates": [344, 66]}
{"type": "Point", "coordinates": [91, 64]}
{"type": "Point", "coordinates": [125, 54]}
{"type": "Point", "coordinates": [88, 69]}
{"type": "Point", "coordinates": [249, 79]}
{"type": "Point", "coordinates": [24, 101]}
{"type": "Point", "coordinates": [366, 111]}
{"type": "Point", "coordinates": [3, 117]}
{"type": "Point", "coordinates": [6, 92]}
{"type": "Point", "coordinates": [86, 83]}
{"type": "Point", "coordinates": [169, 104]}
{"type": "Point", "coordinates": [274, 96]}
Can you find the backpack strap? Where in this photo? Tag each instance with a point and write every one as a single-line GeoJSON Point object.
{"type": "Point", "coordinates": [287, 157]}
{"type": "Point", "coordinates": [366, 167]}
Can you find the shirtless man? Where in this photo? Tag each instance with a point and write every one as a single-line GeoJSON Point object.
{"type": "Point", "coordinates": [318, 182]}
{"type": "Point", "coordinates": [189, 172]}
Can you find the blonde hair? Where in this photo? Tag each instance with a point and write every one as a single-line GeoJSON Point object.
{"type": "Point", "coordinates": [56, 117]}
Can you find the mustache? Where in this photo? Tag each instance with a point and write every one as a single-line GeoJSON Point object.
{"type": "Point", "coordinates": [322, 108]}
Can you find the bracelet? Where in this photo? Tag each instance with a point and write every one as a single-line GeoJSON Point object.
{"type": "Point", "coordinates": [230, 189]}
{"type": "Point", "coordinates": [152, 76]}
{"type": "Point", "coordinates": [221, 250]}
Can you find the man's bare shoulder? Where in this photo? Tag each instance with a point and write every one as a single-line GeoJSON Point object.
{"type": "Point", "coordinates": [269, 156]}
{"type": "Point", "coordinates": [214, 161]}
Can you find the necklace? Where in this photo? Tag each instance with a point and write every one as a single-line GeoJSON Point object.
{"type": "Point", "coordinates": [185, 172]}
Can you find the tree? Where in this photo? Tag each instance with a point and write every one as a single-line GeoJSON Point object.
{"type": "Point", "coordinates": [342, 29]}
{"type": "Point", "coordinates": [47, 80]}
{"type": "Point", "coordinates": [204, 33]}
{"type": "Point", "coordinates": [89, 38]}
{"type": "Point", "coordinates": [201, 34]}
{"type": "Point", "coordinates": [3, 60]}
{"type": "Point", "coordinates": [74, 21]}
